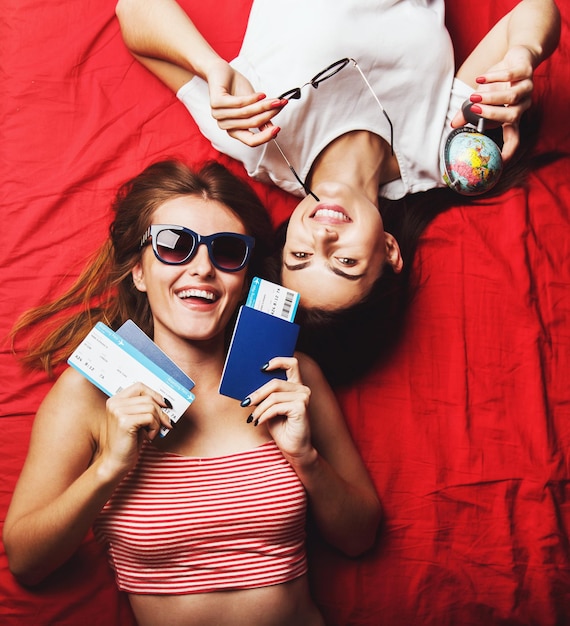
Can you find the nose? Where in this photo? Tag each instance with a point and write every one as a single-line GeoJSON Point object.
{"type": "Point", "coordinates": [200, 264]}
{"type": "Point", "coordinates": [325, 234]}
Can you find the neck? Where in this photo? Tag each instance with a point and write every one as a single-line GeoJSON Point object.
{"type": "Point", "coordinates": [201, 360]}
{"type": "Point", "coordinates": [360, 159]}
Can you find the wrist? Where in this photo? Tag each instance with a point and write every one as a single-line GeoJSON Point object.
{"type": "Point", "coordinates": [213, 66]}
{"type": "Point", "coordinates": [108, 473]}
{"type": "Point", "coordinates": [534, 53]}
{"type": "Point", "coordinates": [304, 462]}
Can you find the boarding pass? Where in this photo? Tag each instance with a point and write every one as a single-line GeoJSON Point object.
{"type": "Point", "coordinates": [273, 299]}
{"type": "Point", "coordinates": [111, 364]}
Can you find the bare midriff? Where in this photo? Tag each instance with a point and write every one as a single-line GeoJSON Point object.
{"type": "Point", "coordinates": [286, 604]}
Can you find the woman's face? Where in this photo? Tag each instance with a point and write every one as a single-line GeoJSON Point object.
{"type": "Point", "coordinates": [196, 300]}
{"type": "Point", "coordinates": [336, 248]}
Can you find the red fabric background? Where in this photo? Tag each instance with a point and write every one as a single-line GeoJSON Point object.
{"type": "Point", "coordinates": [466, 432]}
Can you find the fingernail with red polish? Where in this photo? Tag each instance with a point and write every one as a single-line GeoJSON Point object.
{"type": "Point", "coordinates": [275, 131]}
{"type": "Point", "coordinates": [480, 80]}
{"type": "Point", "coordinates": [277, 104]}
{"type": "Point", "coordinates": [261, 96]}
{"type": "Point", "coordinates": [475, 97]}
{"type": "Point", "coordinates": [475, 108]}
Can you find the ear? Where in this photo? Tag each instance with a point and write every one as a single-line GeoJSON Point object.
{"type": "Point", "coordinates": [393, 253]}
{"type": "Point", "coordinates": [138, 277]}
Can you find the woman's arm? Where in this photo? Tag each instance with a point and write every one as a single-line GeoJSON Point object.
{"type": "Point", "coordinates": [342, 497]}
{"type": "Point", "coordinates": [501, 66]}
{"type": "Point", "coordinates": [165, 40]}
{"type": "Point", "coordinates": [69, 475]}
{"type": "Point", "coordinates": [160, 30]}
{"type": "Point", "coordinates": [532, 24]}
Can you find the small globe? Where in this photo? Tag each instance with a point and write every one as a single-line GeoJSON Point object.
{"type": "Point", "coordinates": [472, 161]}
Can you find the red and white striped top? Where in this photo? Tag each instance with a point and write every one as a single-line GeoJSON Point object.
{"type": "Point", "coordinates": [178, 524]}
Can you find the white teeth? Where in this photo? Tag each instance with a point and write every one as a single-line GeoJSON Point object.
{"type": "Point", "coordinates": [197, 293]}
{"type": "Point", "coordinates": [330, 213]}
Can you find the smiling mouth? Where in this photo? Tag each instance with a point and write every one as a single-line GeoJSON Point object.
{"type": "Point", "coordinates": [330, 215]}
{"type": "Point", "coordinates": [199, 294]}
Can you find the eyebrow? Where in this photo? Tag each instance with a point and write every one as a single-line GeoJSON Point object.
{"type": "Point", "coordinates": [334, 270]}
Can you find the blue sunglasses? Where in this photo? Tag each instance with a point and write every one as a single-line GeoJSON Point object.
{"type": "Point", "coordinates": [176, 245]}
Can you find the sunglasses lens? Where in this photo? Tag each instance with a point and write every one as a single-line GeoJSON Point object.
{"type": "Point", "coordinates": [331, 70]}
{"type": "Point", "coordinates": [174, 246]}
{"type": "Point", "coordinates": [292, 94]}
{"type": "Point", "coordinates": [229, 252]}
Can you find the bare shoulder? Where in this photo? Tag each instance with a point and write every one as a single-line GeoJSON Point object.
{"type": "Point", "coordinates": [73, 389]}
{"type": "Point", "coordinates": [75, 381]}
{"type": "Point", "coordinates": [311, 373]}
{"type": "Point", "coordinates": [329, 429]}
{"type": "Point", "coordinates": [72, 405]}
{"type": "Point", "coordinates": [325, 409]}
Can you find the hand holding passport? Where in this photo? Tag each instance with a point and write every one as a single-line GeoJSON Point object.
{"type": "Point", "coordinates": [264, 330]}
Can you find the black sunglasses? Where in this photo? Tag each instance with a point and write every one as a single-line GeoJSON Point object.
{"type": "Point", "coordinates": [176, 245]}
{"type": "Point", "coordinates": [331, 70]}
{"type": "Point", "coordinates": [295, 94]}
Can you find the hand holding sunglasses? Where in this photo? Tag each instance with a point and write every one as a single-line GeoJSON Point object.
{"type": "Point", "coordinates": [177, 245]}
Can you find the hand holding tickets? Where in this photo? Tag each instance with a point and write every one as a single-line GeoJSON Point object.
{"type": "Point", "coordinates": [264, 330]}
{"type": "Point", "coordinates": [112, 363]}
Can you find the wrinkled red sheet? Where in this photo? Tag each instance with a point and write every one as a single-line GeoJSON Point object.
{"type": "Point", "coordinates": [466, 432]}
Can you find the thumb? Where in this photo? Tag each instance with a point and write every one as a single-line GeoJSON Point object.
{"type": "Point", "coordinates": [511, 140]}
{"type": "Point", "coordinates": [458, 120]}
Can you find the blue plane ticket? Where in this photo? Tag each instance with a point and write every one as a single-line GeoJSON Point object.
{"type": "Point", "coordinates": [273, 299]}
{"type": "Point", "coordinates": [111, 364]}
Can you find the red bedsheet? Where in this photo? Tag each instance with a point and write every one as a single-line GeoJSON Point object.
{"type": "Point", "coordinates": [466, 432]}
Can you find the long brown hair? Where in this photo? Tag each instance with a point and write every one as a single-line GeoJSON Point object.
{"type": "Point", "coordinates": [104, 291]}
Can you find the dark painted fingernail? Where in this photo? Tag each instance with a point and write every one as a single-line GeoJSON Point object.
{"type": "Point", "coordinates": [250, 419]}
{"type": "Point", "coordinates": [264, 367]}
{"type": "Point", "coordinates": [256, 422]}
{"type": "Point", "coordinates": [168, 403]}
{"type": "Point", "coordinates": [245, 402]}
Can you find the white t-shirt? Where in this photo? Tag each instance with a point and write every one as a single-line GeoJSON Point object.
{"type": "Point", "coordinates": [401, 46]}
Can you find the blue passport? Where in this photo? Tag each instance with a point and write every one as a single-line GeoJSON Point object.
{"type": "Point", "coordinates": [257, 338]}
{"type": "Point", "coordinates": [131, 333]}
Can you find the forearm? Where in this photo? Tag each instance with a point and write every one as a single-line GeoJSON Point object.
{"type": "Point", "coordinates": [40, 541]}
{"type": "Point", "coordinates": [347, 515]}
{"type": "Point", "coordinates": [534, 24]}
{"type": "Point", "coordinates": [160, 29]}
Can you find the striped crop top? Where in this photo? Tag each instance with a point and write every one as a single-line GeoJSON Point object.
{"type": "Point", "coordinates": [181, 525]}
